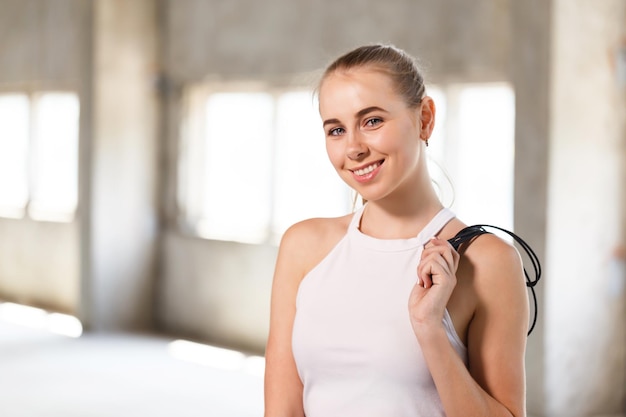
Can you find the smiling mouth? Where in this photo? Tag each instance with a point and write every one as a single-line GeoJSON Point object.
{"type": "Point", "coordinates": [366, 170]}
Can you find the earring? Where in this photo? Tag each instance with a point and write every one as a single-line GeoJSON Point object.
{"type": "Point", "coordinates": [426, 142]}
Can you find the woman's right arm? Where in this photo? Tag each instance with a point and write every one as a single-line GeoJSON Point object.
{"type": "Point", "coordinates": [283, 388]}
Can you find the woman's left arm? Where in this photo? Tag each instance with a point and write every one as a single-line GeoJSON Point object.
{"type": "Point", "coordinates": [494, 382]}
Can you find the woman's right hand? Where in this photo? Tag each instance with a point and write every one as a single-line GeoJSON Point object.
{"type": "Point", "coordinates": [436, 279]}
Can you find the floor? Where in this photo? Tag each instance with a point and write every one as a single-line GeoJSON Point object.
{"type": "Point", "coordinates": [44, 374]}
{"type": "Point", "coordinates": [48, 375]}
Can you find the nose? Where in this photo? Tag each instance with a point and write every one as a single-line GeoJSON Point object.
{"type": "Point", "coordinates": [356, 148]}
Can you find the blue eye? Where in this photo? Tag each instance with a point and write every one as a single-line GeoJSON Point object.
{"type": "Point", "coordinates": [373, 121]}
{"type": "Point", "coordinates": [336, 131]}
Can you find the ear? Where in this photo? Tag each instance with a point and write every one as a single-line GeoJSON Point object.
{"type": "Point", "coordinates": [427, 117]}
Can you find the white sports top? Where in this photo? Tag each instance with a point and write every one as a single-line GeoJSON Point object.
{"type": "Point", "coordinates": [353, 342]}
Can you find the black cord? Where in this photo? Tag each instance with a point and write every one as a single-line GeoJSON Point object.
{"type": "Point", "coordinates": [471, 232]}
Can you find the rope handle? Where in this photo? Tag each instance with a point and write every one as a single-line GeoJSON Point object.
{"type": "Point", "coordinates": [468, 234]}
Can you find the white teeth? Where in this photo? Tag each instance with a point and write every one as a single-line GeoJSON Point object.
{"type": "Point", "coordinates": [367, 169]}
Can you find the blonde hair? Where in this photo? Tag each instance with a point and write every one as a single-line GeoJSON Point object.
{"type": "Point", "coordinates": [401, 68]}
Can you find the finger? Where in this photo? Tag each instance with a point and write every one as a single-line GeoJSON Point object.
{"type": "Point", "coordinates": [439, 269]}
{"type": "Point", "coordinates": [448, 255]}
{"type": "Point", "coordinates": [438, 252]}
{"type": "Point", "coordinates": [451, 255]}
{"type": "Point", "coordinates": [424, 279]}
{"type": "Point", "coordinates": [424, 274]}
{"type": "Point", "coordinates": [436, 245]}
{"type": "Point", "coordinates": [445, 249]}
{"type": "Point", "coordinates": [418, 292]}
{"type": "Point", "coordinates": [433, 242]}
{"type": "Point", "coordinates": [442, 254]}
{"type": "Point", "coordinates": [433, 270]}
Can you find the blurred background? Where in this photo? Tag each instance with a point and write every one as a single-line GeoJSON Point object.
{"type": "Point", "coordinates": [152, 152]}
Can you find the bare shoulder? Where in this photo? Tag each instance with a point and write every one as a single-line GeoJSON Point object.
{"type": "Point", "coordinates": [309, 241]}
{"type": "Point", "coordinates": [494, 271]}
{"type": "Point", "coordinates": [303, 246]}
{"type": "Point", "coordinates": [487, 257]}
{"type": "Point", "coordinates": [493, 259]}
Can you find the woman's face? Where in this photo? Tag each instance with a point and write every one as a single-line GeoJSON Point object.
{"type": "Point", "coordinates": [372, 137]}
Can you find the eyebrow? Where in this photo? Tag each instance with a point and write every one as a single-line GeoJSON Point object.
{"type": "Point", "coordinates": [358, 114]}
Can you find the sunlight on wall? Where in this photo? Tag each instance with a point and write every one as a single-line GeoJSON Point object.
{"type": "Point", "coordinates": [39, 319]}
{"type": "Point", "coordinates": [215, 357]}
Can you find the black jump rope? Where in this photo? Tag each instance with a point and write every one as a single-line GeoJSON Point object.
{"type": "Point", "coordinates": [468, 234]}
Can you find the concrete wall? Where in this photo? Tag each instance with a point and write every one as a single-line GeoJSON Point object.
{"type": "Point", "coordinates": [280, 37]}
{"type": "Point", "coordinates": [39, 263]}
{"type": "Point", "coordinates": [530, 64]}
{"type": "Point", "coordinates": [43, 43]}
{"type": "Point", "coordinates": [42, 46]}
{"type": "Point", "coordinates": [216, 291]}
{"type": "Point", "coordinates": [586, 269]}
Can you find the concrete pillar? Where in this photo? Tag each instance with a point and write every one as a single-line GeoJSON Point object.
{"type": "Point", "coordinates": [570, 199]}
{"type": "Point", "coordinates": [121, 226]}
{"type": "Point", "coordinates": [530, 72]}
{"type": "Point", "coordinates": [585, 323]}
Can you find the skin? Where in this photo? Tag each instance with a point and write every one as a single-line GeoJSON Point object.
{"type": "Point", "coordinates": [367, 122]}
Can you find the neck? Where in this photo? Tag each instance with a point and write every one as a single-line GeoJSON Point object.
{"type": "Point", "coordinates": [402, 215]}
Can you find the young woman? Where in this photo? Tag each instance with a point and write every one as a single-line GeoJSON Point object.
{"type": "Point", "coordinates": [374, 313]}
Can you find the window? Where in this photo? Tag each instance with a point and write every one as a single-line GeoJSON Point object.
{"type": "Point", "coordinates": [15, 127]}
{"type": "Point", "coordinates": [474, 143]}
{"type": "Point", "coordinates": [39, 155]}
{"type": "Point", "coordinates": [253, 161]}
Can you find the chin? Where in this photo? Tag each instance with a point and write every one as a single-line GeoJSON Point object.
{"type": "Point", "coordinates": [370, 196]}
